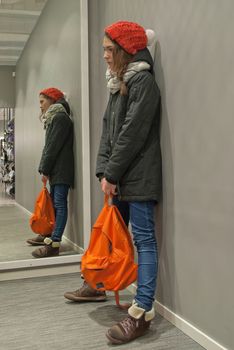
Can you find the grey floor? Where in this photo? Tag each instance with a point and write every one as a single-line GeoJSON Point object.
{"type": "Point", "coordinates": [35, 316]}
{"type": "Point", "coordinates": [5, 199]}
{"type": "Point", "coordinates": [15, 230]}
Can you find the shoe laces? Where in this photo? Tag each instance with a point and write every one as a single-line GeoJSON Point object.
{"type": "Point", "coordinates": [129, 323]}
{"type": "Point", "coordinates": [83, 287]}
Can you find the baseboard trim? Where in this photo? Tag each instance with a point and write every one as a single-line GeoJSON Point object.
{"type": "Point", "coordinates": [39, 272]}
{"type": "Point", "coordinates": [23, 208]}
{"type": "Point", "coordinates": [75, 247]}
{"type": "Point", "coordinates": [60, 260]}
{"type": "Point", "coordinates": [194, 333]}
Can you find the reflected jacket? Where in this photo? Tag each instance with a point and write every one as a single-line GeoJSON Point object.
{"type": "Point", "coordinates": [57, 160]}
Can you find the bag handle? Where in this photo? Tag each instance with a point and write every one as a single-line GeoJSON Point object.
{"type": "Point", "coordinates": [124, 306]}
{"type": "Point", "coordinates": [45, 188]}
{"type": "Point", "coordinates": [107, 198]}
{"type": "Point", "coordinates": [44, 182]}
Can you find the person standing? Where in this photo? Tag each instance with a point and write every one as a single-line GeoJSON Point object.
{"type": "Point", "coordinates": [56, 165]}
{"type": "Point", "coordinates": [129, 163]}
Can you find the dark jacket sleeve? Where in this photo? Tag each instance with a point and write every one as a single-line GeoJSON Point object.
{"type": "Point", "coordinates": [104, 149]}
{"type": "Point", "coordinates": [145, 97]}
{"type": "Point", "coordinates": [55, 138]}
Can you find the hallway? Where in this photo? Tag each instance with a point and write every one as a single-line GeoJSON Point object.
{"type": "Point", "coordinates": [5, 199]}
{"type": "Point", "coordinates": [42, 319]}
{"type": "Point", "coordinates": [15, 230]}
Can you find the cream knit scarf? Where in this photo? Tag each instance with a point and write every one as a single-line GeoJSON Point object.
{"type": "Point", "coordinates": [49, 115]}
{"type": "Point", "coordinates": [113, 83]}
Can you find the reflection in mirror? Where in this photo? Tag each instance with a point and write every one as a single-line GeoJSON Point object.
{"type": "Point", "coordinates": [7, 156]}
{"type": "Point", "coordinates": [17, 239]}
{"type": "Point", "coordinates": [15, 231]}
{"type": "Point", "coordinates": [40, 65]}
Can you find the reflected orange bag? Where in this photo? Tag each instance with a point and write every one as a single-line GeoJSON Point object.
{"type": "Point", "coordinates": [43, 219]}
{"type": "Point", "coordinates": [108, 263]}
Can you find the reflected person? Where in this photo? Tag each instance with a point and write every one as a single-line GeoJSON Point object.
{"type": "Point", "coordinates": [56, 165]}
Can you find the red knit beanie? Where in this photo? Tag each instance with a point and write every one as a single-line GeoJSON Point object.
{"type": "Point", "coordinates": [53, 93]}
{"type": "Point", "coordinates": [129, 35]}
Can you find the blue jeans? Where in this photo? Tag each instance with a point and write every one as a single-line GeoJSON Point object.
{"type": "Point", "coordinates": [143, 230]}
{"type": "Point", "coordinates": [59, 195]}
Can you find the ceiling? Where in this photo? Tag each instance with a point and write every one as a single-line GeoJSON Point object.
{"type": "Point", "coordinates": [17, 20]}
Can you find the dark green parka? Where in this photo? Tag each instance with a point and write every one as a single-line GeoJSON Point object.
{"type": "Point", "coordinates": [57, 160]}
{"type": "Point", "coordinates": [129, 153]}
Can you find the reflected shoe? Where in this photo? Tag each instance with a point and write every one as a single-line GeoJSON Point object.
{"type": "Point", "coordinates": [38, 240]}
{"type": "Point", "coordinates": [86, 293]}
{"type": "Point", "coordinates": [132, 327]}
{"type": "Point", "coordinates": [51, 248]}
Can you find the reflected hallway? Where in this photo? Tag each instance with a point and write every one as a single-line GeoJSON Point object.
{"type": "Point", "coordinates": [15, 230]}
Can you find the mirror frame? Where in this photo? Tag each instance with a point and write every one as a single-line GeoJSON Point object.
{"type": "Point", "coordinates": [76, 258]}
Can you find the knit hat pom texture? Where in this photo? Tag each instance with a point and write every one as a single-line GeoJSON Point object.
{"type": "Point", "coordinates": [151, 37]}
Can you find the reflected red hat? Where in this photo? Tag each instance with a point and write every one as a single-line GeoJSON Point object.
{"type": "Point", "coordinates": [53, 93]}
{"type": "Point", "coordinates": [129, 35]}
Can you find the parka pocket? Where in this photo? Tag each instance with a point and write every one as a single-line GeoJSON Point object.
{"type": "Point", "coordinates": [135, 171]}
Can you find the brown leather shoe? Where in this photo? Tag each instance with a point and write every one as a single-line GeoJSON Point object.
{"type": "Point", "coordinates": [132, 327]}
{"type": "Point", "coordinates": [86, 293]}
{"type": "Point", "coordinates": [50, 249]}
{"type": "Point", "coordinates": [38, 240]}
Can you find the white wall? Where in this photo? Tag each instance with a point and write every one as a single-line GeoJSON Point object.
{"type": "Point", "coordinates": [195, 72]}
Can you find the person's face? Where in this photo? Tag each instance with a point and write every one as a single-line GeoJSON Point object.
{"type": "Point", "coordinates": [45, 103]}
{"type": "Point", "coordinates": [108, 47]}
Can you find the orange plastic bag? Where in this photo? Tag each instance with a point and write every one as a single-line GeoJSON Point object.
{"type": "Point", "coordinates": [43, 219]}
{"type": "Point", "coordinates": [108, 263]}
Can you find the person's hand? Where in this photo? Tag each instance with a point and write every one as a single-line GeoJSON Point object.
{"type": "Point", "coordinates": [108, 188]}
{"type": "Point", "coordinates": [44, 178]}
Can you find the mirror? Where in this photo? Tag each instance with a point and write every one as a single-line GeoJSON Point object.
{"type": "Point", "coordinates": [45, 61]}
{"type": "Point", "coordinates": [15, 230]}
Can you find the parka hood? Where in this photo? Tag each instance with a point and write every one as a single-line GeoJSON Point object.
{"type": "Point", "coordinates": [144, 55]}
{"type": "Point", "coordinates": [65, 104]}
